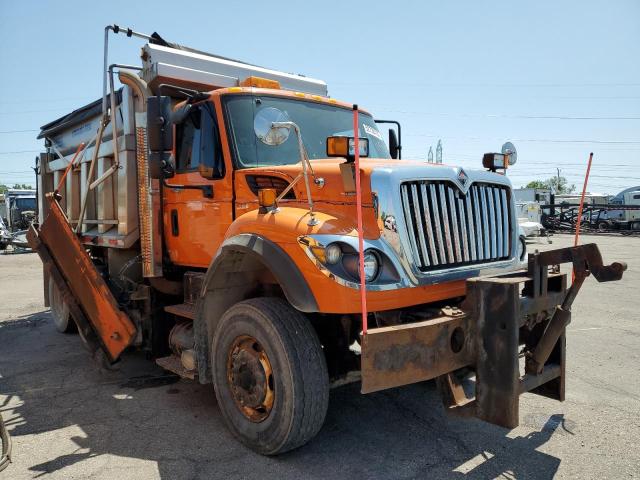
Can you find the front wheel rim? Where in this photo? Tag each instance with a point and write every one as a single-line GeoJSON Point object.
{"type": "Point", "coordinates": [250, 378]}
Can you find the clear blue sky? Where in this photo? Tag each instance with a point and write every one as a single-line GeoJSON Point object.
{"type": "Point", "coordinates": [558, 79]}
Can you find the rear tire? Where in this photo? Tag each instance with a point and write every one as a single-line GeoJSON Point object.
{"type": "Point", "coordinates": [270, 375]}
{"type": "Point", "coordinates": [60, 310]}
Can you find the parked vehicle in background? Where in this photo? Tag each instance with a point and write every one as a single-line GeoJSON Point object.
{"type": "Point", "coordinates": [19, 208]}
{"type": "Point", "coordinates": [206, 213]}
{"type": "Point", "coordinates": [5, 235]}
{"type": "Point", "coordinates": [623, 218]}
{"type": "Point", "coordinates": [529, 218]}
{"type": "Point", "coordinates": [17, 212]}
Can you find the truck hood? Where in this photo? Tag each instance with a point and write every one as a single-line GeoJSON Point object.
{"type": "Point", "coordinates": [333, 189]}
{"type": "Point", "coordinates": [390, 220]}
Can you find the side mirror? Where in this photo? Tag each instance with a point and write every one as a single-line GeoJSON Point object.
{"type": "Point", "coordinates": [393, 144]}
{"type": "Point", "coordinates": [159, 136]}
{"type": "Point", "coordinates": [159, 133]}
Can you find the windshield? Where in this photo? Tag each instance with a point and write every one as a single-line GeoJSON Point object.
{"type": "Point", "coordinates": [317, 121]}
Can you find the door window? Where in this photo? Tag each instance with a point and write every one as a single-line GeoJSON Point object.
{"type": "Point", "coordinates": [188, 142]}
{"type": "Point", "coordinates": [198, 142]}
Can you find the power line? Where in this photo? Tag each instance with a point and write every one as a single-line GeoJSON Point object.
{"type": "Point", "coordinates": [509, 116]}
{"type": "Point", "coordinates": [564, 164]}
{"type": "Point", "coordinates": [19, 151]}
{"type": "Point", "coordinates": [46, 100]}
{"type": "Point", "coordinates": [35, 111]}
{"type": "Point", "coordinates": [18, 131]}
{"type": "Point", "coordinates": [501, 85]}
{"type": "Point", "coordinates": [569, 174]}
{"type": "Point", "coordinates": [541, 140]}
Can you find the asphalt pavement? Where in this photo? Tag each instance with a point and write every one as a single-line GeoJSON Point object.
{"type": "Point", "coordinates": [69, 420]}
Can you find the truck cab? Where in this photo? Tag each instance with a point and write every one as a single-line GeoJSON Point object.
{"type": "Point", "coordinates": [224, 138]}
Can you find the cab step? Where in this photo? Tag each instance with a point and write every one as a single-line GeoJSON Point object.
{"type": "Point", "coordinates": [185, 310]}
{"type": "Point", "coordinates": [173, 364]}
{"type": "Point", "coordinates": [192, 287]}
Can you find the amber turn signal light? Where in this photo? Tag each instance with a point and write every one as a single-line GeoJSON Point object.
{"type": "Point", "coordinates": [345, 147]}
{"type": "Point", "coordinates": [260, 82]}
{"type": "Point", "coordinates": [319, 252]}
{"type": "Point", "coordinates": [267, 197]}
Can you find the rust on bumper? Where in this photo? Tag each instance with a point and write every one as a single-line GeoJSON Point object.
{"type": "Point", "coordinates": [507, 339]}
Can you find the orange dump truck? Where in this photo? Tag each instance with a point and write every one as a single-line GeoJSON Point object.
{"type": "Point", "coordinates": [205, 213]}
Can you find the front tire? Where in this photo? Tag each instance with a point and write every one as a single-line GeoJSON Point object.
{"type": "Point", "coordinates": [60, 310]}
{"type": "Point", "coordinates": [270, 375]}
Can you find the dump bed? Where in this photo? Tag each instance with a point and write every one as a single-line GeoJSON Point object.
{"type": "Point", "coordinates": [111, 217]}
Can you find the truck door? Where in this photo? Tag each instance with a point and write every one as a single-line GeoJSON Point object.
{"type": "Point", "coordinates": [197, 201]}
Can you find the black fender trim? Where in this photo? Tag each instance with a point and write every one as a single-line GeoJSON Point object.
{"type": "Point", "coordinates": [224, 285]}
{"type": "Point", "coordinates": [273, 257]}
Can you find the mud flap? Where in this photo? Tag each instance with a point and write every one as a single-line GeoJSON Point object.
{"type": "Point", "coordinates": [92, 304]}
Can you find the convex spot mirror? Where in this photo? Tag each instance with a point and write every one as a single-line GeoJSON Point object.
{"type": "Point", "coordinates": [509, 150]}
{"type": "Point", "coordinates": [263, 126]}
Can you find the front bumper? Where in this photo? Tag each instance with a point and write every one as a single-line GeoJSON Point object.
{"type": "Point", "coordinates": [508, 338]}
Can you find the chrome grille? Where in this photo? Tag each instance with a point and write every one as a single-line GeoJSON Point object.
{"type": "Point", "coordinates": [448, 228]}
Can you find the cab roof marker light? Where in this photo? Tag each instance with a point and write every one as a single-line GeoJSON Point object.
{"type": "Point", "coordinates": [260, 82]}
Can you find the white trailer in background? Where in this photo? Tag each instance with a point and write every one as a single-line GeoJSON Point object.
{"type": "Point", "coordinates": [624, 218]}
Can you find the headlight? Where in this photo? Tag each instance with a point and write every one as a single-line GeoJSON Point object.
{"type": "Point", "coordinates": [371, 265]}
{"type": "Point", "coordinates": [333, 253]}
{"type": "Point", "coordinates": [351, 264]}
{"type": "Point", "coordinates": [522, 248]}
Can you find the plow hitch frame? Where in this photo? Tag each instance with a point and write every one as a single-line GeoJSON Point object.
{"type": "Point", "coordinates": [105, 329]}
{"type": "Point", "coordinates": [507, 338]}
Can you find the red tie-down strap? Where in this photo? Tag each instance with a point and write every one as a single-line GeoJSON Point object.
{"type": "Point", "coordinates": [363, 290]}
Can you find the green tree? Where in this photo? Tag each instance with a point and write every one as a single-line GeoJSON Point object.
{"type": "Point", "coordinates": [18, 186]}
{"type": "Point", "coordinates": [555, 184]}
{"type": "Point", "coordinates": [560, 185]}
{"type": "Point", "coordinates": [536, 184]}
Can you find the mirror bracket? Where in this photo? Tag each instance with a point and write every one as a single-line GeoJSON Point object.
{"type": "Point", "coordinates": [399, 138]}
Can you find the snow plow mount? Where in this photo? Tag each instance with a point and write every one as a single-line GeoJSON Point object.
{"type": "Point", "coordinates": [507, 338]}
